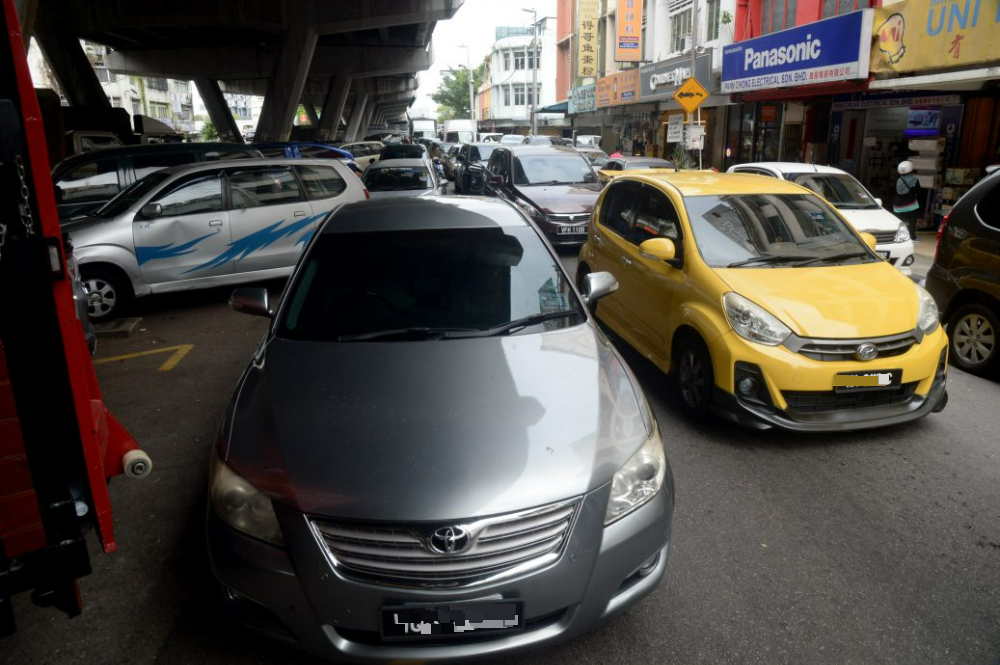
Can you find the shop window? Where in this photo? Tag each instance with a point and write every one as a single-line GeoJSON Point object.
{"type": "Point", "coordinates": [680, 27]}
{"type": "Point", "coordinates": [777, 15]}
{"type": "Point", "coordinates": [506, 61]}
{"type": "Point", "coordinates": [519, 60]}
{"type": "Point", "coordinates": [713, 20]}
{"type": "Point", "coordinates": [837, 7]}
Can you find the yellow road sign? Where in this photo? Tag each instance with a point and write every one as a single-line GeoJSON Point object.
{"type": "Point", "coordinates": [690, 95]}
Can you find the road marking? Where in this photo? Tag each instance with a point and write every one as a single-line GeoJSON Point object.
{"type": "Point", "coordinates": [178, 355]}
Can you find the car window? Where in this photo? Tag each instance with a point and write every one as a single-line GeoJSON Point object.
{"type": "Point", "coordinates": [397, 178]}
{"type": "Point", "coordinates": [252, 188]}
{"type": "Point", "coordinates": [90, 143]}
{"type": "Point", "coordinates": [618, 206]}
{"type": "Point", "coordinates": [470, 278]}
{"type": "Point", "coordinates": [131, 195]}
{"type": "Point", "coordinates": [480, 153]}
{"type": "Point", "coordinates": [840, 189]}
{"type": "Point", "coordinates": [791, 228]}
{"type": "Point", "coordinates": [273, 153]}
{"type": "Point", "coordinates": [655, 217]}
{"type": "Point", "coordinates": [321, 182]}
{"type": "Point", "coordinates": [93, 181]}
{"type": "Point", "coordinates": [988, 208]}
{"type": "Point", "coordinates": [561, 169]}
{"type": "Point", "coordinates": [144, 164]}
{"type": "Point", "coordinates": [199, 195]}
{"type": "Point", "coordinates": [496, 163]}
{"type": "Point", "coordinates": [222, 155]}
{"type": "Point", "coordinates": [317, 152]}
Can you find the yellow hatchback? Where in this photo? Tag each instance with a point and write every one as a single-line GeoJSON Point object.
{"type": "Point", "coordinates": [766, 305]}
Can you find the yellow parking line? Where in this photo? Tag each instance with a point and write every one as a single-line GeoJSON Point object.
{"type": "Point", "coordinates": [178, 355]}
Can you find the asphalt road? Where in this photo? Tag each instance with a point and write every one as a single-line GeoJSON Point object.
{"type": "Point", "coordinates": [878, 547]}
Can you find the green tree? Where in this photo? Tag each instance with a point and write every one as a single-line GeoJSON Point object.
{"type": "Point", "coordinates": [452, 96]}
{"type": "Point", "coordinates": [208, 132]}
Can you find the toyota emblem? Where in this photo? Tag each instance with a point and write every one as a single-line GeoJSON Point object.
{"type": "Point", "coordinates": [866, 352]}
{"type": "Point", "coordinates": [449, 540]}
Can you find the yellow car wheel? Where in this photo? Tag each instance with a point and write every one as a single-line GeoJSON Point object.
{"type": "Point", "coordinates": [695, 377]}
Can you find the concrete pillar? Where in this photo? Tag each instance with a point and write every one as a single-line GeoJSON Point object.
{"type": "Point", "coordinates": [366, 121]}
{"type": "Point", "coordinates": [288, 79]}
{"type": "Point", "coordinates": [333, 108]}
{"type": "Point", "coordinates": [311, 112]}
{"type": "Point", "coordinates": [357, 114]}
{"type": "Point", "coordinates": [218, 109]}
{"type": "Point", "coordinates": [26, 11]}
{"type": "Point", "coordinates": [70, 64]}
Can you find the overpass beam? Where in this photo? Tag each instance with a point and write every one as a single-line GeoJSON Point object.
{"type": "Point", "coordinates": [71, 66]}
{"type": "Point", "coordinates": [333, 107]}
{"type": "Point", "coordinates": [218, 109]}
{"type": "Point", "coordinates": [26, 12]}
{"type": "Point", "coordinates": [366, 121]}
{"type": "Point", "coordinates": [288, 78]}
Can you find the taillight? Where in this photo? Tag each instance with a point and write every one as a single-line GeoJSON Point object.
{"type": "Point", "coordinates": [940, 235]}
{"type": "Point", "coordinates": [368, 195]}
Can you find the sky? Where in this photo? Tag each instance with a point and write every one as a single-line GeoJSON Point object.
{"type": "Point", "coordinates": [474, 24]}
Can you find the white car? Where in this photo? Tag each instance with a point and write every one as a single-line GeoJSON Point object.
{"type": "Point", "coordinates": [852, 200]}
{"type": "Point", "coordinates": [365, 152]}
{"type": "Point", "coordinates": [402, 178]}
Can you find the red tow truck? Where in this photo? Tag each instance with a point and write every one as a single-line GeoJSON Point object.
{"type": "Point", "coordinates": [59, 444]}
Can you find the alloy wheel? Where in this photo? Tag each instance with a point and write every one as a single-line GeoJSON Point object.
{"type": "Point", "coordinates": [102, 297]}
{"type": "Point", "coordinates": [691, 376]}
{"type": "Point", "coordinates": [974, 339]}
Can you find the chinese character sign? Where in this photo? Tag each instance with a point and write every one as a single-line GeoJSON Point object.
{"type": "Point", "coordinates": [589, 13]}
{"type": "Point", "coordinates": [628, 46]}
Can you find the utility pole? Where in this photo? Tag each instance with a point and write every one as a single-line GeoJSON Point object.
{"type": "Point", "coordinates": [694, 54]}
{"type": "Point", "coordinates": [534, 71]}
{"type": "Point", "coordinates": [472, 97]}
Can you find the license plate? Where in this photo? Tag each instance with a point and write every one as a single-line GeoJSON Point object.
{"type": "Point", "coordinates": [571, 230]}
{"type": "Point", "coordinates": [411, 622]}
{"type": "Point", "coordinates": [884, 255]}
{"type": "Point", "coordinates": [861, 381]}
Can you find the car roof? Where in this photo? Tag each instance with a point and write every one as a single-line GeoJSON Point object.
{"type": "Point", "coordinates": [243, 163]}
{"type": "Point", "coordinates": [793, 167]}
{"type": "Point", "coordinates": [423, 214]}
{"type": "Point", "coordinates": [521, 150]}
{"type": "Point", "coordinates": [154, 148]}
{"type": "Point", "coordinates": [408, 162]}
{"type": "Point", "coordinates": [643, 160]}
{"type": "Point", "coordinates": [707, 183]}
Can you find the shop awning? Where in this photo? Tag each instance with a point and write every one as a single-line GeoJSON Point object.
{"type": "Point", "coordinates": [558, 107]}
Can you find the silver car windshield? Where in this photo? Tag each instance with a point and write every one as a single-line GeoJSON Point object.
{"type": "Point", "coordinates": [130, 195]}
{"type": "Point", "coordinates": [357, 286]}
{"type": "Point", "coordinates": [772, 230]}
{"type": "Point", "coordinates": [841, 190]}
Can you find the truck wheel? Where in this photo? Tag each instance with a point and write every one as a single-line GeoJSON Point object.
{"type": "Point", "coordinates": [108, 292]}
{"type": "Point", "coordinates": [973, 331]}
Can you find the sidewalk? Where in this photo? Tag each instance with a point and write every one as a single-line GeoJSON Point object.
{"type": "Point", "coordinates": [927, 244]}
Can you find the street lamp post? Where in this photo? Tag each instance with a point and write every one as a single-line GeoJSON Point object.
{"type": "Point", "coordinates": [534, 71]}
{"type": "Point", "coordinates": [472, 98]}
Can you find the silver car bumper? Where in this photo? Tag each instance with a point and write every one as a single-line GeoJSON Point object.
{"type": "Point", "coordinates": [311, 606]}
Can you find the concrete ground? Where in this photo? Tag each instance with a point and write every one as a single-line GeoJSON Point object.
{"type": "Point", "coordinates": [873, 547]}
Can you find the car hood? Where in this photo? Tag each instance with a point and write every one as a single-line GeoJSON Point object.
{"type": "Point", "coordinates": [874, 219]}
{"type": "Point", "coordinates": [562, 199]}
{"type": "Point", "coordinates": [435, 430]}
{"type": "Point", "coordinates": [81, 222]}
{"type": "Point", "coordinates": [854, 301]}
{"type": "Point", "coordinates": [403, 194]}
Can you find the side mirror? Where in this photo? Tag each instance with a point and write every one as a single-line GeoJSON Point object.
{"type": "Point", "coordinates": [495, 180]}
{"type": "Point", "coordinates": [658, 249]}
{"type": "Point", "coordinates": [869, 240]}
{"type": "Point", "coordinates": [251, 300]}
{"type": "Point", "coordinates": [151, 210]}
{"type": "Point", "coordinates": [596, 285]}
{"type": "Point", "coordinates": [878, 202]}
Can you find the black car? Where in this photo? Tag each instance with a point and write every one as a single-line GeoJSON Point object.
{"type": "Point", "coordinates": [554, 186]}
{"type": "Point", "coordinates": [469, 154]}
{"type": "Point", "coordinates": [87, 181]}
{"type": "Point", "coordinates": [965, 277]}
{"type": "Point", "coordinates": [403, 151]}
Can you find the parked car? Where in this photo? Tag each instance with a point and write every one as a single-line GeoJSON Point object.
{"type": "Point", "coordinates": [597, 157]}
{"type": "Point", "coordinates": [512, 139]}
{"type": "Point", "coordinates": [329, 522]}
{"type": "Point", "coordinates": [471, 153]}
{"type": "Point", "coordinates": [554, 186]}
{"type": "Point", "coordinates": [402, 178]}
{"type": "Point", "coordinates": [449, 160]}
{"type": "Point", "coordinates": [87, 181]}
{"type": "Point", "coordinates": [615, 165]}
{"type": "Point", "coordinates": [533, 139]}
{"type": "Point", "coordinates": [203, 225]}
{"type": "Point", "coordinates": [404, 151]}
{"type": "Point", "coordinates": [302, 150]}
{"type": "Point", "coordinates": [81, 297]}
{"type": "Point", "coordinates": [588, 141]}
{"type": "Point", "coordinates": [965, 277]}
{"type": "Point", "coordinates": [365, 152]}
{"type": "Point", "coordinates": [862, 210]}
{"type": "Point", "coordinates": [765, 304]}
{"type": "Point", "coordinates": [490, 137]}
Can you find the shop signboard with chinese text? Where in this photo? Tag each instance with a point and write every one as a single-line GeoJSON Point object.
{"type": "Point", "coordinates": [659, 81]}
{"type": "Point", "coordinates": [628, 18]}
{"type": "Point", "coordinates": [835, 49]}
{"type": "Point", "coordinates": [586, 30]}
{"type": "Point", "coordinates": [914, 35]}
{"type": "Point", "coordinates": [619, 88]}
{"type": "Point", "coordinates": [582, 99]}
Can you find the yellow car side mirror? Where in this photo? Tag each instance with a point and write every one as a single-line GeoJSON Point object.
{"type": "Point", "coordinates": [660, 249]}
{"type": "Point", "coordinates": [869, 240]}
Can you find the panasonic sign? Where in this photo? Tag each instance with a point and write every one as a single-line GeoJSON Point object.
{"type": "Point", "coordinates": [836, 49]}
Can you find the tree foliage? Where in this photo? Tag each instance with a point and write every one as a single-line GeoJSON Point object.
{"type": "Point", "coordinates": [208, 132]}
{"type": "Point", "coordinates": [452, 96]}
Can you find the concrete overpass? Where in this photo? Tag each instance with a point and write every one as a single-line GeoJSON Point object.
{"type": "Point", "coordinates": [346, 61]}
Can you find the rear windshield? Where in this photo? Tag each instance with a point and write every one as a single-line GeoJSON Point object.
{"type": "Point", "coordinates": [397, 178]}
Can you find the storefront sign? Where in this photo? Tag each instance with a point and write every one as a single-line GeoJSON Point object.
{"type": "Point", "coordinates": [586, 29]}
{"type": "Point", "coordinates": [675, 128]}
{"type": "Point", "coordinates": [934, 34]}
{"type": "Point", "coordinates": [892, 99]}
{"type": "Point", "coordinates": [619, 88]}
{"type": "Point", "coordinates": [628, 47]}
{"type": "Point", "coordinates": [836, 49]}
{"type": "Point", "coordinates": [659, 81]}
{"type": "Point", "coordinates": [582, 99]}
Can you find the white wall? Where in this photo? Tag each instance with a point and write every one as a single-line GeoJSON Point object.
{"type": "Point", "coordinates": [501, 78]}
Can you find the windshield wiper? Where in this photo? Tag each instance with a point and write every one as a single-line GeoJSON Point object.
{"type": "Point", "coordinates": [546, 183]}
{"type": "Point", "coordinates": [412, 333]}
{"type": "Point", "coordinates": [767, 258]}
{"type": "Point", "coordinates": [523, 322]}
{"type": "Point", "coordinates": [834, 257]}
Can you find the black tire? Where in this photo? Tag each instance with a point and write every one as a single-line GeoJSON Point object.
{"type": "Point", "coordinates": [115, 291]}
{"type": "Point", "coordinates": [972, 334]}
{"type": "Point", "coordinates": [694, 379]}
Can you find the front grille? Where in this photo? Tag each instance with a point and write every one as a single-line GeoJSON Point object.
{"type": "Point", "coordinates": [399, 555]}
{"type": "Point", "coordinates": [804, 401]}
{"type": "Point", "coordinates": [569, 219]}
{"type": "Point", "coordinates": [839, 350]}
{"type": "Point", "coordinates": [883, 237]}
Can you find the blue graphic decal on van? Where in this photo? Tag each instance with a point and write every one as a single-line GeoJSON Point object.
{"type": "Point", "coordinates": [244, 247]}
{"type": "Point", "coordinates": [144, 254]}
{"type": "Point", "coordinates": [305, 238]}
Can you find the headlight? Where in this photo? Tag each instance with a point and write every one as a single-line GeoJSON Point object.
{"type": "Point", "coordinates": [928, 318]}
{"type": "Point", "coordinates": [241, 505]}
{"type": "Point", "coordinates": [531, 211]}
{"type": "Point", "coordinates": [902, 233]}
{"type": "Point", "coordinates": [752, 322]}
{"type": "Point", "coordinates": [639, 480]}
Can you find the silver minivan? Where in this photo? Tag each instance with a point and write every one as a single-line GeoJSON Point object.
{"type": "Point", "coordinates": [205, 225]}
